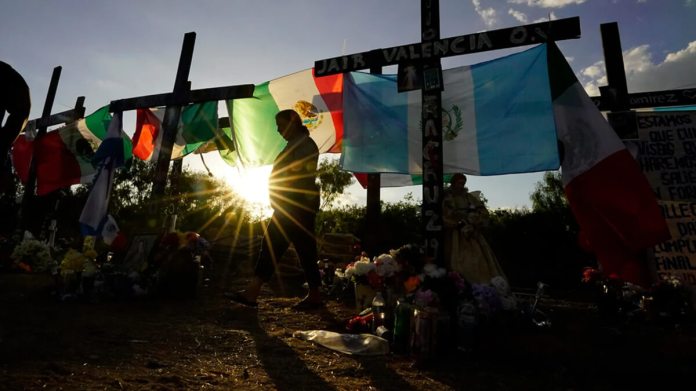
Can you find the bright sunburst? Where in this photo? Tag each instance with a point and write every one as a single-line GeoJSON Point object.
{"type": "Point", "coordinates": [252, 185]}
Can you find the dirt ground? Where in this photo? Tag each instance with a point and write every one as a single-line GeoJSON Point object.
{"type": "Point", "coordinates": [210, 343]}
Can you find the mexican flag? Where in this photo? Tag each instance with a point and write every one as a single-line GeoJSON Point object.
{"type": "Point", "coordinates": [224, 144]}
{"type": "Point", "coordinates": [608, 193]}
{"type": "Point", "coordinates": [64, 156]}
{"type": "Point", "coordinates": [317, 100]}
{"type": "Point", "coordinates": [198, 125]}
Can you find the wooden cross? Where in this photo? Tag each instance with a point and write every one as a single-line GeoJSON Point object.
{"type": "Point", "coordinates": [41, 124]}
{"type": "Point", "coordinates": [180, 96]}
{"type": "Point", "coordinates": [426, 55]}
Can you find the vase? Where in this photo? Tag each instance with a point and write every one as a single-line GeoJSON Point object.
{"type": "Point", "coordinates": [363, 296]}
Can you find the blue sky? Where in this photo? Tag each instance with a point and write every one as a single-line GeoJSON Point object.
{"type": "Point", "coordinates": [118, 49]}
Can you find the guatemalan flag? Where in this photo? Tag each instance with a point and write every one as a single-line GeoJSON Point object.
{"type": "Point", "coordinates": [94, 219]}
{"type": "Point", "coordinates": [497, 119]}
{"type": "Point", "coordinates": [318, 100]}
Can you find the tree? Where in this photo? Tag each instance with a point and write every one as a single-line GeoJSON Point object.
{"type": "Point", "coordinates": [201, 202]}
{"type": "Point", "coordinates": [332, 181]}
{"type": "Point", "coordinates": [548, 194]}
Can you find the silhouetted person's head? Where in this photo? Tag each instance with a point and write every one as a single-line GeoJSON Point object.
{"type": "Point", "coordinates": [458, 180]}
{"type": "Point", "coordinates": [290, 124]}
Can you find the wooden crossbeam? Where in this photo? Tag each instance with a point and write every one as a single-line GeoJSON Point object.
{"type": "Point", "coordinates": [193, 96]}
{"type": "Point", "coordinates": [641, 100]}
{"type": "Point", "coordinates": [63, 117]}
{"type": "Point", "coordinates": [530, 34]}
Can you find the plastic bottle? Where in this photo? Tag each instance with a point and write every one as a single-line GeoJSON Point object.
{"type": "Point", "coordinates": [378, 304]}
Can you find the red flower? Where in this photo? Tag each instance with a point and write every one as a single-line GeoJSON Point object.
{"type": "Point", "coordinates": [590, 275]}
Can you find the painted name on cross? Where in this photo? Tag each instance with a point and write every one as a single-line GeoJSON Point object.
{"type": "Point", "coordinates": [453, 46]}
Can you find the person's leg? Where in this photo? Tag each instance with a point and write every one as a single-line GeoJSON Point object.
{"type": "Point", "coordinates": [275, 243]}
{"type": "Point", "coordinates": [304, 239]}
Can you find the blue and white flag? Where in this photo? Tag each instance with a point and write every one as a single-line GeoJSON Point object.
{"type": "Point", "coordinates": [109, 156]}
{"type": "Point", "coordinates": [497, 119]}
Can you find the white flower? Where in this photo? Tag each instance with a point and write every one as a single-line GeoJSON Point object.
{"type": "Point", "coordinates": [386, 266]}
{"type": "Point", "coordinates": [433, 271]}
{"type": "Point", "coordinates": [359, 268]}
{"type": "Point", "coordinates": [501, 285]}
{"type": "Point", "coordinates": [363, 267]}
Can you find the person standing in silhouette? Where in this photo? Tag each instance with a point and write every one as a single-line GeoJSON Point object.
{"type": "Point", "coordinates": [294, 196]}
{"type": "Point", "coordinates": [15, 102]}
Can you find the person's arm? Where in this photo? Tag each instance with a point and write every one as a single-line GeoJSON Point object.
{"type": "Point", "coordinates": [17, 103]}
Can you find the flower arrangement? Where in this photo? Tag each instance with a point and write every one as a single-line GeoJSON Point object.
{"type": "Point", "coordinates": [386, 266]}
{"type": "Point", "coordinates": [435, 286]}
{"type": "Point", "coordinates": [487, 299]}
{"type": "Point", "coordinates": [363, 271]}
{"type": "Point", "coordinates": [77, 262]}
{"type": "Point", "coordinates": [32, 255]}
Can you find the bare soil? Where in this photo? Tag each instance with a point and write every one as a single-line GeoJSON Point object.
{"type": "Point", "coordinates": [210, 343]}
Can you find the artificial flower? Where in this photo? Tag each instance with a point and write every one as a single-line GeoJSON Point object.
{"type": "Point", "coordinates": [386, 266]}
{"type": "Point", "coordinates": [73, 262]}
{"type": "Point", "coordinates": [433, 271]}
{"type": "Point", "coordinates": [33, 253]}
{"type": "Point", "coordinates": [411, 284]}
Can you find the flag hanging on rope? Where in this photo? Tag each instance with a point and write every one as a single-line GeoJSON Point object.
{"type": "Point", "coordinates": [224, 144]}
{"type": "Point", "coordinates": [318, 100]}
{"type": "Point", "coordinates": [198, 124]}
{"type": "Point", "coordinates": [108, 157]}
{"type": "Point", "coordinates": [64, 156]}
{"type": "Point", "coordinates": [608, 193]}
{"type": "Point", "coordinates": [497, 118]}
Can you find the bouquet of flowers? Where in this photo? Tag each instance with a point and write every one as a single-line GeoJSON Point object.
{"type": "Point", "coordinates": [487, 300]}
{"type": "Point", "coordinates": [363, 271]}
{"type": "Point", "coordinates": [77, 262]}
{"type": "Point", "coordinates": [436, 286]}
{"type": "Point", "coordinates": [32, 255]}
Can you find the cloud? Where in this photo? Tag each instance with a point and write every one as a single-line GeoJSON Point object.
{"type": "Point", "coordinates": [551, 16]}
{"type": "Point", "coordinates": [520, 16]}
{"type": "Point", "coordinates": [487, 14]}
{"type": "Point", "coordinates": [549, 3]}
{"type": "Point", "coordinates": [690, 3]}
{"type": "Point", "coordinates": [643, 74]}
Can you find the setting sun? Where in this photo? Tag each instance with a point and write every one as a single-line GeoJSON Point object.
{"type": "Point", "coordinates": [252, 185]}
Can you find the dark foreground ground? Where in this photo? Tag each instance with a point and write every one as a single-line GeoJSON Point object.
{"type": "Point", "coordinates": [208, 343]}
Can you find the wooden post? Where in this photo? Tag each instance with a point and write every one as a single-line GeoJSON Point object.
{"type": "Point", "coordinates": [373, 209]}
{"type": "Point", "coordinates": [30, 188]}
{"type": "Point", "coordinates": [172, 115]}
{"type": "Point", "coordinates": [432, 137]}
{"type": "Point", "coordinates": [613, 60]}
{"type": "Point", "coordinates": [620, 116]}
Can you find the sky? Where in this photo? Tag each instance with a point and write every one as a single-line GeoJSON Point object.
{"type": "Point", "coordinates": [113, 50]}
